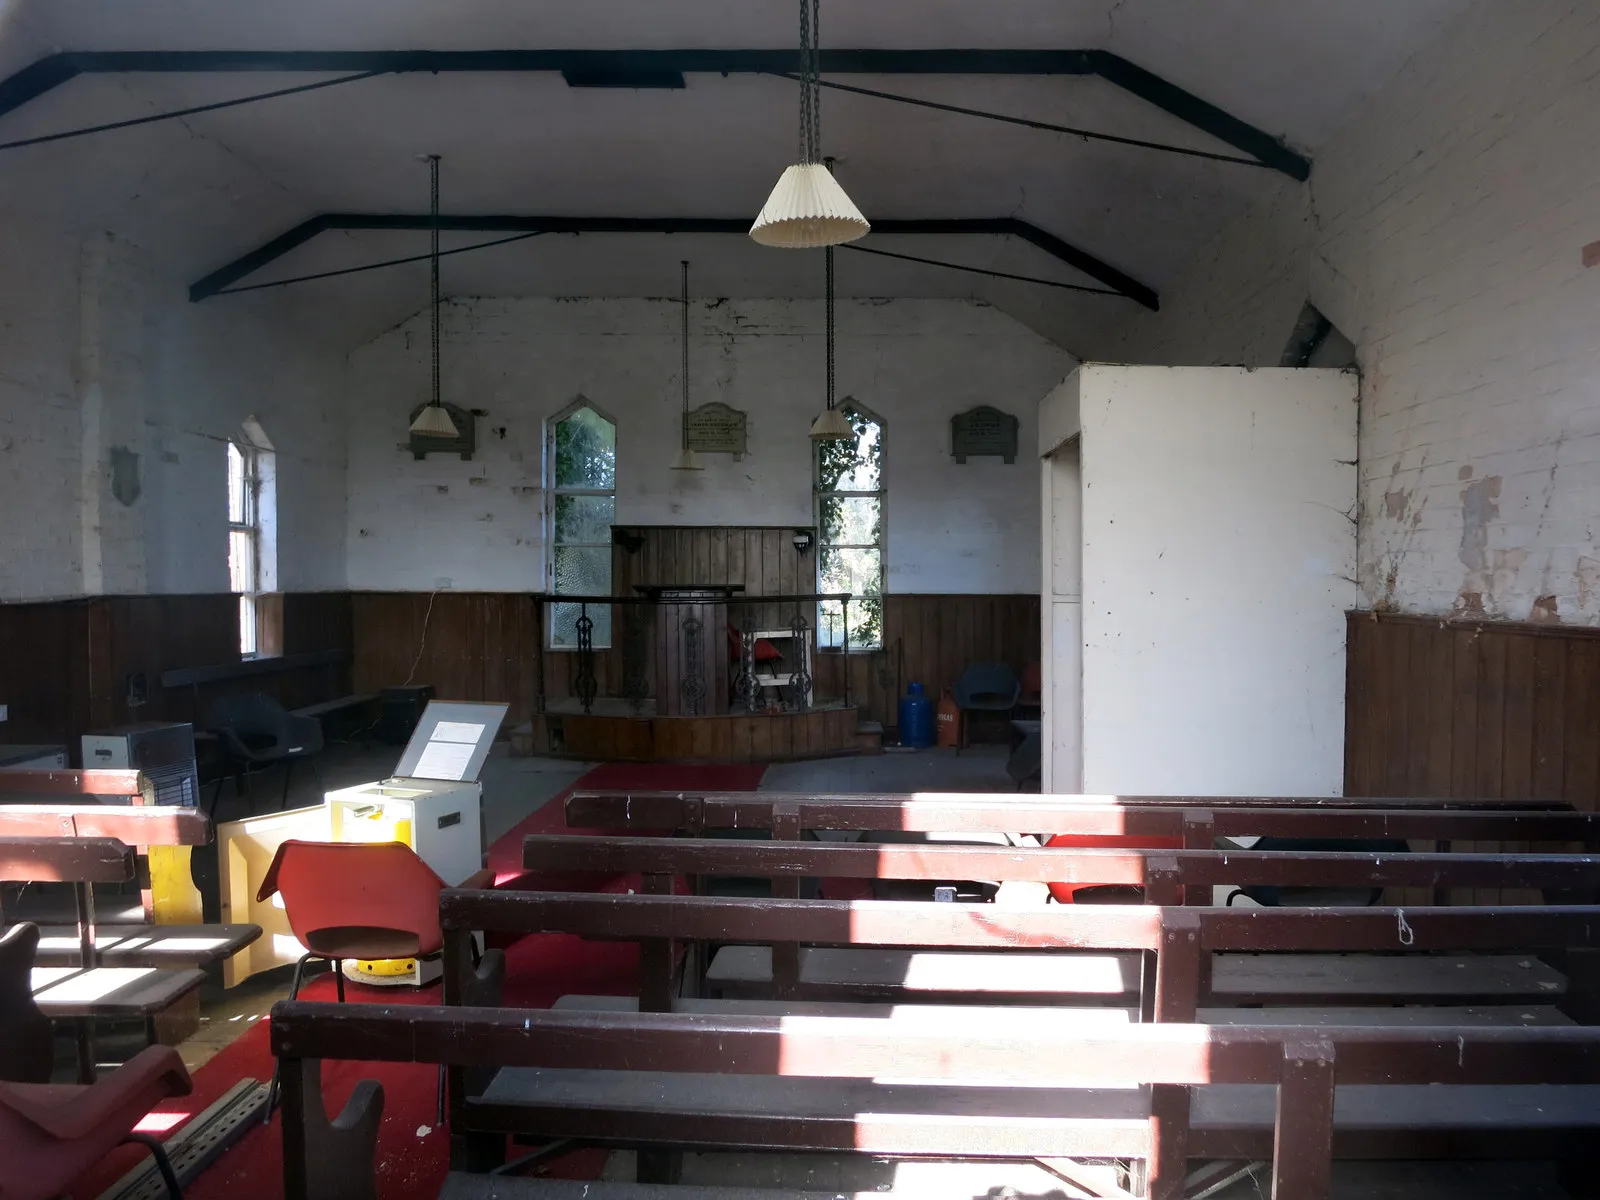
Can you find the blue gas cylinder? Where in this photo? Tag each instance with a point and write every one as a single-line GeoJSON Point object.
{"type": "Point", "coordinates": [916, 718]}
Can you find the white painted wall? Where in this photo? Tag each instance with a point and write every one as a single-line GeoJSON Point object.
{"type": "Point", "coordinates": [1442, 231]}
{"type": "Point", "coordinates": [105, 355]}
{"type": "Point", "coordinates": [1217, 556]}
{"type": "Point", "coordinates": [479, 525]}
{"type": "Point", "coordinates": [40, 524]}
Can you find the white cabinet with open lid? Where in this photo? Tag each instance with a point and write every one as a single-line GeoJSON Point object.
{"type": "Point", "coordinates": [433, 803]}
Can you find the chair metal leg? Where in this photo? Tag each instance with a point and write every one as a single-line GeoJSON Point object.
{"type": "Point", "coordinates": [83, 1037]}
{"type": "Point", "coordinates": [216, 795]}
{"type": "Point", "coordinates": [294, 991]}
{"type": "Point", "coordinates": [163, 1163]}
{"type": "Point", "coordinates": [438, 1102]}
{"type": "Point", "coordinates": [338, 978]}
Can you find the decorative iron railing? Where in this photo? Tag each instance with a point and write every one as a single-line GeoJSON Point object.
{"type": "Point", "coordinates": [691, 651]}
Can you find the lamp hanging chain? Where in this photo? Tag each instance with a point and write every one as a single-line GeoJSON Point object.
{"type": "Point", "coordinates": [683, 427]}
{"type": "Point", "coordinates": [828, 289]}
{"type": "Point", "coordinates": [433, 261]}
{"type": "Point", "coordinates": [810, 81]}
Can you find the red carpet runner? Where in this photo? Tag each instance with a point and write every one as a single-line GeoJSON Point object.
{"type": "Point", "coordinates": [412, 1155]}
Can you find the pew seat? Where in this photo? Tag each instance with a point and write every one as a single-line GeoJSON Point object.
{"type": "Point", "coordinates": [147, 945]}
{"type": "Point", "coordinates": [1087, 978]}
{"type": "Point", "coordinates": [110, 993]}
{"type": "Point", "coordinates": [1504, 1016]}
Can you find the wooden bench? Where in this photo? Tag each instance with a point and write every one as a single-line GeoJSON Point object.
{"type": "Point", "coordinates": [742, 970]}
{"type": "Point", "coordinates": [1198, 822]}
{"type": "Point", "coordinates": [160, 946]}
{"type": "Point", "coordinates": [135, 825]}
{"type": "Point", "coordinates": [338, 705]}
{"type": "Point", "coordinates": [1146, 956]}
{"type": "Point", "coordinates": [33, 783]}
{"type": "Point", "coordinates": [86, 990]}
{"type": "Point", "coordinates": [943, 1085]}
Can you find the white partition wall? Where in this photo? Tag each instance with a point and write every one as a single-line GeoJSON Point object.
{"type": "Point", "coordinates": [1202, 616]}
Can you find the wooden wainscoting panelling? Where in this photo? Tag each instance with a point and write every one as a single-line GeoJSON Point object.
{"type": "Point", "coordinates": [1435, 707]}
{"type": "Point", "coordinates": [1447, 708]}
{"type": "Point", "coordinates": [760, 558]}
{"type": "Point", "coordinates": [487, 646]}
{"type": "Point", "coordinates": [931, 639]}
{"type": "Point", "coordinates": [66, 666]}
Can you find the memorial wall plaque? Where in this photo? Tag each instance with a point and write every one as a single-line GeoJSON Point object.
{"type": "Point", "coordinates": [983, 431]}
{"type": "Point", "coordinates": [715, 429]}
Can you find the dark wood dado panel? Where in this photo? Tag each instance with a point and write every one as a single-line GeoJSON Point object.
{"type": "Point", "coordinates": [468, 645]}
{"type": "Point", "coordinates": [486, 646]}
{"type": "Point", "coordinates": [932, 639]}
{"type": "Point", "coordinates": [760, 558]}
{"type": "Point", "coordinates": [731, 738]}
{"type": "Point", "coordinates": [65, 665]}
{"type": "Point", "coordinates": [1449, 708]}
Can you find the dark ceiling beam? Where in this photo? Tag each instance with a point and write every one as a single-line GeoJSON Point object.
{"type": "Point", "coordinates": [593, 65]}
{"type": "Point", "coordinates": [248, 264]}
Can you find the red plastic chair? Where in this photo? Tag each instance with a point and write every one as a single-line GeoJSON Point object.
{"type": "Point", "coordinates": [1066, 893]}
{"type": "Point", "coordinates": [50, 1134]}
{"type": "Point", "coordinates": [358, 900]}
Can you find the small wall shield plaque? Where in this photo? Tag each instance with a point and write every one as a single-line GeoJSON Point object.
{"type": "Point", "coordinates": [983, 431]}
{"type": "Point", "coordinates": [715, 428]}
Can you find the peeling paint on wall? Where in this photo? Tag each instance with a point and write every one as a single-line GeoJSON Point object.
{"type": "Point", "coordinates": [1480, 504]}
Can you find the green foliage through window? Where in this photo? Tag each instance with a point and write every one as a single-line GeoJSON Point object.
{"type": "Point", "coordinates": [583, 465]}
{"type": "Point", "coordinates": [850, 507]}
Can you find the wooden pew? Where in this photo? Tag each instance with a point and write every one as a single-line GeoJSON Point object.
{"type": "Point", "coordinates": [1015, 960]}
{"type": "Point", "coordinates": [1163, 874]}
{"type": "Point", "coordinates": [606, 799]}
{"type": "Point", "coordinates": [94, 782]}
{"type": "Point", "coordinates": [137, 825]}
{"type": "Point", "coordinates": [1199, 823]}
{"type": "Point", "coordinates": [1178, 939]}
{"type": "Point", "coordinates": [1027, 1087]}
{"type": "Point", "coordinates": [744, 970]}
{"type": "Point", "coordinates": [87, 989]}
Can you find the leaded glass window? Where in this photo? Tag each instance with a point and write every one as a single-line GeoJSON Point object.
{"type": "Point", "coordinates": [582, 459]}
{"type": "Point", "coordinates": [850, 507]}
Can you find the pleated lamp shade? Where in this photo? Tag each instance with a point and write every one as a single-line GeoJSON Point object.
{"type": "Point", "coordinates": [433, 421]}
{"type": "Point", "coordinates": [687, 460]}
{"type": "Point", "coordinates": [808, 209]}
{"type": "Point", "coordinates": [832, 426]}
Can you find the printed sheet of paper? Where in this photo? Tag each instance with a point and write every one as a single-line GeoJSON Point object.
{"type": "Point", "coordinates": [456, 731]}
{"type": "Point", "coordinates": [446, 760]}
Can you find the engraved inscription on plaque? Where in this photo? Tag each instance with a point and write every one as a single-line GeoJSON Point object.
{"type": "Point", "coordinates": [983, 431]}
{"type": "Point", "coordinates": [716, 429]}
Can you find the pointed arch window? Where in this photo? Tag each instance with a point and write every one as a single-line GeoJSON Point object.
{"type": "Point", "coordinates": [850, 547]}
{"type": "Point", "coordinates": [581, 484]}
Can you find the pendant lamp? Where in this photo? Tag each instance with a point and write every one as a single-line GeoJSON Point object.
{"type": "Point", "coordinates": [808, 208]}
{"type": "Point", "coordinates": [433, 420]}
{"type": "Point", "coordinates": [687, 459]}
{"type": "Point", "coordinates": [832, 425]}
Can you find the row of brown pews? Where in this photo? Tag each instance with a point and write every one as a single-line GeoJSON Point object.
{"type": "Point", "coordinates": [87, 970]}
{"type": "Point", "coordinates": [1378, 1001]}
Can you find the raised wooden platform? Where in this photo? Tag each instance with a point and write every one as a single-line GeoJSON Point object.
{"type": "Point", "coordinates": [736, 737]}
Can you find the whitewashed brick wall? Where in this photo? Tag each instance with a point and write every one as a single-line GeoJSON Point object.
{"type": "Point", "coordinates": [1442, 231]}
{"type": "Point", "coordinates": [100, 352]}
{"type": "Point", "coordinates": [480, 524]}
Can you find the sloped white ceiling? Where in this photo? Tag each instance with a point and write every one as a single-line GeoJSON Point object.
{"type": "Point", "coordinates": [199, 192]}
